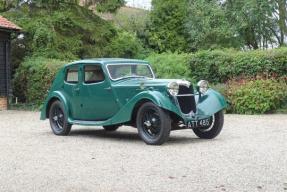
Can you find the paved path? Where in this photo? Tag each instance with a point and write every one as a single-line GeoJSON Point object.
{"type": "Point", "coordinates": [249, 155]}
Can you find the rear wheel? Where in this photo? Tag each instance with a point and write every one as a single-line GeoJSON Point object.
{"type": "Point", "coordinates": [153, 123]}
{"type": "Point", "coordinates": [58, 119]}
{"type": "Point", "coordinates": [111, 127]}
{"type": "Point", "coordinates": [213, 130]}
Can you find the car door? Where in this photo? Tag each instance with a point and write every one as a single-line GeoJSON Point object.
{"type": "Point", "coordinates": [72, 90]}
{"type": "Point", "coordinates": [97, 99]}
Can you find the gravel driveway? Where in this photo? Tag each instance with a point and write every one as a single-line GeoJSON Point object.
{"type": "Point", "coordinates": [249, 155]}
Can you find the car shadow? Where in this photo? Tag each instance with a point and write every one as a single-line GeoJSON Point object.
{"type": "Point", "coordinates": [131, 136]}
{"type": "Point", "coordinates": [185, 140]}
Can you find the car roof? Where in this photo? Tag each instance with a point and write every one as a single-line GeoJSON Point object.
{"type": "Point", "coordinates": [105, 61]}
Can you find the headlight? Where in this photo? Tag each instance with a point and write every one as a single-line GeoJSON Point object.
{"type": "Point", "coordinates": [203, 86]}
{"type": "Point", "coordinates": [173, 88]}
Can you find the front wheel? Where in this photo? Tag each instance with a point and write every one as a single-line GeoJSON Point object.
{"type": "Point", "coordinates": [153, 123]}
{"type": "Point", "coordinates": [58, 119]}
{"type": "Point", "coordinates": [214, 129]}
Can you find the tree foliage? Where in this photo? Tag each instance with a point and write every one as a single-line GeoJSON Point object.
{"type": "Point", "coordinates": [102, 5]}
{"type": "Point", "coordinates": [207, 24]}
{"type": "Point", "coordinates": [65, 33]}
{"type": "Point", "coordinates": [7, 4]}
{"type": "Point", "coordinates": [125, 45]}
{"type": "Point", "coordinates": [253, 21]}
{"type": "Point", "coordinates": [280, 13]}
{"type": "Point", "coordinates": [166, 28]}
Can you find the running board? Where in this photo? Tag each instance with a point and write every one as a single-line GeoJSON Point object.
{"type": "Point", "coordinates": [90, 123]}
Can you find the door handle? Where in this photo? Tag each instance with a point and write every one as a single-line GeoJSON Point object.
{"type": "Point", "coordinates": [77, 89]}
{"type": "Point", "coordinates": [108, 88]}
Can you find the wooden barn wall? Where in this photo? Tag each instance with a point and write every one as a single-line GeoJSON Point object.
{"type": "Point", "coordinates": [4, 63]}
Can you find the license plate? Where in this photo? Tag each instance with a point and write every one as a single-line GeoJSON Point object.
{"type": "Point", "coordinates": [198, 123]}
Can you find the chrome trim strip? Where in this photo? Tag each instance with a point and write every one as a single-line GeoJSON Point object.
{"type": "Point", "coordinates": [185, 95]}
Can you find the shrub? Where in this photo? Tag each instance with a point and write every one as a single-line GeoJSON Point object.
{"type": "Point", "coordinates": [219, 66]}
{"type": "Point", "coordinates": [34, 77]}
{"type": "Point", "coordinates": [125, 45]}
{"type": "Point", "coordinates": [256, 96]}
{"type": "Point", "coordinates": [171, 65]}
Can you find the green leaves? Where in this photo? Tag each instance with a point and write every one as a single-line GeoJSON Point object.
{"type": "Point", "coordinates": [219, 66]}
{"type": "Point", "coordinates": [70, 33]}
{"type": "Point", "coordinates": [125, 45]}
{"type": "Point", "coordinates": [253, 21]}
{"type": "Point", "coordinates": [171, 65]}
{"type": "Point", "coordinates": [257, 96]}
{"type": "Point", "coordinates": [109, 5]}
{"type": "Point", "coordinates": [208, 26]}
{"type": "Point", "coordinates": [166, 28]}
{"type": "Point", "coordinates": [33, 88]}
{"type": "Point", "coordinates": [186, 26]}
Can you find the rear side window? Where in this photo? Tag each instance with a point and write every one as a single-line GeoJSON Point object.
{"type": "Point", "coordinates": [93, 74]}
{"type": "Point", "coordinates": [72, 75]}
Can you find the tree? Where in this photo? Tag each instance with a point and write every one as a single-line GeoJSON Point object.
{"type": "Point", "coordinates": [208, 26]}
{"type": "Point", "coordinates": [125, 45]}
{"type": "Point", "coordinates": [105, 5]}
{"type": "Point", "coordinates": [166, 27]}
{"type": "Point", "coordinates": [189, 25]}
{"type": "Point", "coordinates": [280, 13]}
{"type": "Point", "coordinates": [254, 21]}
{"type": "Point", "coordinates": [7, 4]}
{"type": "Point", "coordinates": [102, 5]}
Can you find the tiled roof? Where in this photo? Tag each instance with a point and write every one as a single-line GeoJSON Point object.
{"type": "Point", "coordinates": [4, 23]}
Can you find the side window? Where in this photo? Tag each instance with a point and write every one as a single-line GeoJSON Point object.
{"type": "Point", "coordinates": [93, 74]}
{"type": "Point", "coordinates": [72, 75]}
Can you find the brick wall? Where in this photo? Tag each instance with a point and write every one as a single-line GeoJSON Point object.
{"type": "Point", "coordinates": [3, 103]}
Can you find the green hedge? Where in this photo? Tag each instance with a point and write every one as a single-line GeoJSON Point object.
{"type": "Point", "coordinates": [219, 66]}
{"type": "Point", "coordinates": [222, 65]}
{"type": "Point", "coordinates": [34, 77]}
{"type": "Point", "coordinates": [256, 96]}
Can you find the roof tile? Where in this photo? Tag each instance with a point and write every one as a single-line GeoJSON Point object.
{"type": "Point", "coordinates": [4, 23]}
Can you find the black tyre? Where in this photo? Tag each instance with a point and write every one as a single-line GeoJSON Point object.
{"type": "Point", "coordinates": [58, 119]}
{"type": "Point", "coordinates": [153, 124]}
{"type": "Point", "coordinates": [214, 129]}
{"type": "Point", "coordinates": [111, 127]}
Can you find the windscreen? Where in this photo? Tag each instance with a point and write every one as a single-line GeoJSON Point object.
{"type": "Point", "coordinates": [120, 71]}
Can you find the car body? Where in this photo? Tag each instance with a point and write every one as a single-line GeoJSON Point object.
{"type": "Point", "coordinates": [110, 93]}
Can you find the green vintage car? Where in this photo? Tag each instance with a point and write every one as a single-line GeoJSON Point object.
{"type": "Point", "coordinates": [115, 92]}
